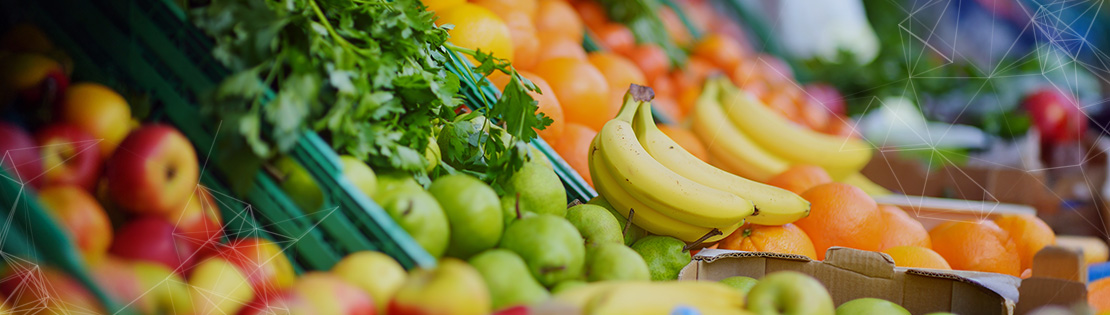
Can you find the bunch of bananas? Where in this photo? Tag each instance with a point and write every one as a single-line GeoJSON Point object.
{"type": "Point", "coordinates": [636, 297]}
{"type": "Point", "coordinates": [662, 188]}
{"type": "Point", "coordinates": [749, 139]}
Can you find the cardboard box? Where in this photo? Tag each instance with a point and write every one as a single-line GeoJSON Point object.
{"type": "Point", "coordinates": [850, 274]}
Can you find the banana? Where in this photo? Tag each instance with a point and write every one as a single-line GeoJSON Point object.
{"type": "Point", "coordinates": [641, 297]}
{"type": "Point", "coordinates": [840, 156]}
{"type": "Point", "coordinates": [773, 205]}
{"type": "Point", "coordinates": [868, 186]}
{"type": "Point", "coordinates": [644, 216]}
{"type": "Point", "coordinates": [729, 148]}
{"type": "Point", "coordinates": [654, 184]}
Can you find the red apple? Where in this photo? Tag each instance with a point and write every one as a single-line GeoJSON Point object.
{"type": "Point", "coordinates": [152, 239]}
{"type": "Point", "coordinates": [19, 156]}
{"type": "Point", "coordinates": [286, 302]}
{"type": "Point", "coordinates": [1056, 115]}
{"type": "Point", "coordinates": [828, 96]}
{"type": "Point", "coordinates": [70, 156]}
{"type": "Point", "coordinates": [46, 290]}
{"type": "Point", "coordinates": [119, 279]}
{"type": "Point", "coordinates": [266, 267]}
{"type": "Point", "coordinates": [83, 218]}
{"type": "Point", "coordinates": [329, 294]}
{"type": "Point", "coordinates": [154, 171]}
{"type": "Point", "coordinates": [35, 78]}
{"type": "Point", "coordinates": [199, 222]}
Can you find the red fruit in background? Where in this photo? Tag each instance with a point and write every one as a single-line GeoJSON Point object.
{"type": "Point", "coordinates": [19, 156]}
{"type": "Point", "coordinates": [154, 171]}
{"type": "Point", "coordinates": [329, 294]}
{"type": "Point", "coordinates": [153, 239]}
{"type": "Point", "coordinates": [284, 302]}
{"type": "Point", "coordinates": [1056, 115]}
{"type": "Point", "coordinates": [82, 218]}
{"type": "Point", "coordinates": [70, 156]}
{"type": "Point", "coordinates": [119, 279]}
{"type": "Point", "coordinates": [263, 262]}
{"type": "Point", "coordinates": [199, 222]}
{"type": "Point", "coordinates": [35, 78]}
{"type": "Point", "coordinates": [45, 290]}
{"type": "Point", "coordinates": [827, 96]}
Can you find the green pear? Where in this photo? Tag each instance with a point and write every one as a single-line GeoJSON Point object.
{"type": "Point", "coordinates": [540, 189]}
{"type": "Point", "coordinates": [390, 181]}
{"type": "Point", "coordinates": [631, 232]}
{"type": "Point", "coordinates": [596, 224]}
{"type": "Point", "coordinates": [299, 185]}
{"type": "Point", "coordinates": [473, 213]}
{"type": "Point", "coordinates": [418, 212]}
{"type": "Point", "coordinates": [870, 306]}
{"type": "Point", "coordinates": [614, 261]}
{"type": "Point", "coordinates": [359, 174]}
{"type": "Point", "coordinates": [508, 279]}
{"type": "Point", "coordinates": [665, 256]}
{"type": "Point", "coordinates": [740, 283]}
{"type": "Point", "coordinates": [550, 245]}
{"type": "Point", "coordinates": [539, 157]}
{"type": "Point", "coordinates": [567, 285]}
{"type": "Point", "coordinates": [790, 292]}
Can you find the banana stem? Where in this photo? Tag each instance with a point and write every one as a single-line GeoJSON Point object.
{"type": "Point", "coordinates": [628, 224]}
{"type": "Point", "coordinates": [712, 233]}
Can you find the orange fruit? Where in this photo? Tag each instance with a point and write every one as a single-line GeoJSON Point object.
{"type": "Point", "coordinates": [901, 230]}
{"type": "Point", "coordinates": [615, 37]}
{"type": "Point", "coordinates": [746, 74]}
{"type": "Point", "coordinates": [526, 44]}
{"type": "Point", "coordinates": [799, 178]}
{"type": "Point", "coordinates": [774, 70]}
{"type": "Point", "coordinates": [574, 148]}
{"type": "Point", "coordinates": [917, 257]}
{"type": "Point", "coordinates": [721, 50]}
{"type": "Point", "coordinates": [527, 6]}
{"type": "Point", "coordinates": [687, 140]}
{"type": "Point", "coordinates": [703, 15]}
{"type": "Point", "coordinates": [580, 88]}
{"type": "Point", "coordinates": [782, 104]}
{"type": "Point", "coordinates": [663, 86]}
{"type": "Point", "coordinates": [669, 108]}
{"type": "Point", "coordinates": [841, 126]}
{"type": "Point", "coordinates": [651, 59]}
{"type": "Point", "coordinates": [478, 28]}
{"type": "Point", "coordinates": [784, 239]}
{"type": "Point", "coordinates": [1029, 233]}
{"type": "Point", "coordinates": [555, 45]}
{"type": "Point", "coordinates": [560, 17]}
{"type": "Point", "coordinates": [548, 104]}
{"type": "Point", "coordinates": [841, 215]}
{"type": "Point", "coordinates": [813, 114]}
{"type": "Point", "coordinates": [678, 31]}
{"type": "Point", "coordinates": [619, 73]}
{"type": "Point", "coordinates": [440, 5]}
{"type": "Point", "coordinates": [976, 246]}
{"type": "Point", "coordinates": [1098, 295]}
{"type": "Point", "coordinates": [692, 76]}
{"type": "Point", "coordinates": [592, 14]}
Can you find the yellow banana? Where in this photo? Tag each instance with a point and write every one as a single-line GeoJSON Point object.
{"type": "Point", "coordinates": [773, 205]}
{"type": "Point", "coordinates": [868, 186]}
{"type": "Point", "coordinates": [657, 186]}
{"type": "Point", "coordinates": [644, 216]}
{"type": "Point", "coordinates": [840, 156]}
{"type": "Point", "coordinates": [729, 148]}
{"type": "Point", "coordinates": [641, 297]}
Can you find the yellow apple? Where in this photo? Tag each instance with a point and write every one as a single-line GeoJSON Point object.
{"type": "Point", "coordinates": [454, 287]}
{"type": "Point", "coordinates": [375, 273]}
{"type": "Point", "coordinates": [216, 286]}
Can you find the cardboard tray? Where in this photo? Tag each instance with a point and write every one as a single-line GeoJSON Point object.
{"type": "Point", "coordinates": [850, 274]}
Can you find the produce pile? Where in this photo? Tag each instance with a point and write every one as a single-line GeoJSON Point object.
{"type": "Point", "coordinates": [691, 139]}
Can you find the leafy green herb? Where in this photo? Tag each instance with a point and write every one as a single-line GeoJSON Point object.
{"type": "Point", "coordinates": [370, 75]}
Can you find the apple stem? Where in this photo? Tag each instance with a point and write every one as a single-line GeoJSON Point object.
{"type": "Point", "coordinates": [712, 233]}
{"type": "Point", "coordinates": [518, 214]}
{"type": "Point", "coordinates": [628, 224]}
{"type": "Point", "coordinates": [550, 269]}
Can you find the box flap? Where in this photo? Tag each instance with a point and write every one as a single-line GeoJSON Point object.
{"type": "Point", "coordinates": [1059, 278]}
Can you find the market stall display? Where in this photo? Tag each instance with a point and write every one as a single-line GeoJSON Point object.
{"type": "Point", "coordinates": [519, 157]}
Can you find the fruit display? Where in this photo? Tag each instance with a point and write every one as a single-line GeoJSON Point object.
{"type": "Point", "coordinates": [419, 157]}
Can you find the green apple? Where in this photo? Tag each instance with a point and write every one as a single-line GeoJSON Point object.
{"type": "Point", "coordinates": [375, 273]}
{"type": "Point", "coordinates": [394, 180]}
{"type": "Point", "coordinates": [419, 214]}
{"type": "Point", "coordinates": [508, 278]}
{"type": "Point", "coordinates": [453, 287]}
{"type": "Point", "coordinates": [870, 306]}
{"type": "Point", "coordinates": [614, 261]}
{"type": "Point", "coordinates": [473, 214]}
{"type": "Point", "coordinates": [567, 285]}
{"type": "Point", "coordinates": [596, 224]}
{"type": "Point", "coordinates": [788, 293]}
{"type": "Point", "coordinates": [740, 283]}
{"type": "Point", "coordinates": [218, 287]}
{"type": "Point", "coordinates": [299, 185]}
{"type": "Point", "coordinates": [169, 291]}
{"type": "Point", "coordinates": [665, 256]}
{"type": "Point", "coordinates": [631, 232]}
{"type": "Point", "coordinates": [360, 174]}
{"type": "Point", "coordinates": [539, 189]}
{"type": "Point", "coordinates": [550, 245]}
